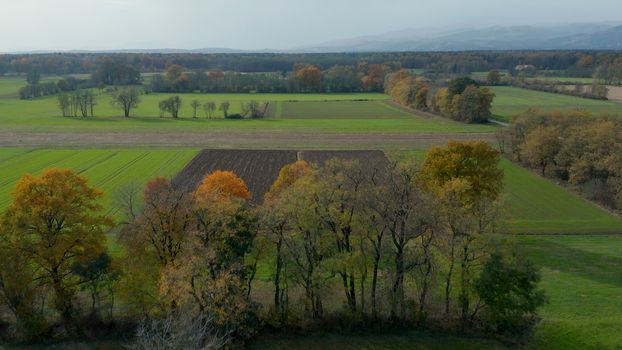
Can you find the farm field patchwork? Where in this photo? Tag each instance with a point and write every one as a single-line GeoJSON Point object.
{"type": "Point", "coordinates": [510, 101]}
{"type": "Point", "coordinates": [532, 204]}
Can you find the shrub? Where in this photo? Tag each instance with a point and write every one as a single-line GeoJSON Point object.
{"type": "Point", "coordinates": [509, 289]}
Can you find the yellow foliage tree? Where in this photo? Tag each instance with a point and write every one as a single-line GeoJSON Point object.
{"type": "Point", "coordinates": [54, 223]}
{"type": "Point", "coordinates": [287, 176]}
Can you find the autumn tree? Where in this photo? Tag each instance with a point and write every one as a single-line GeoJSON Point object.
{"type": "Point", "coordinates": [465, 179]}
{"type": "Point", "coordinates": [493, 78]}
{"type": "Point", "coordinates": [173, 72]}
{"type": "Point", "coordinates": [541, 147]}
{"type": "Point", "coordinates": [221, 186]}
{"type": "Point", "coordinates": [309, 77]}
{"type": "Point", "coordinates": [213, 275]}
{"type": "Point", "coordinates": [155, 240]}
{"type": "Point", "coordinates": [126, 99]}
{"type": "Point", "coordinates": [54, 223]}
{"type": "Point", "coordinates": [274, 221]}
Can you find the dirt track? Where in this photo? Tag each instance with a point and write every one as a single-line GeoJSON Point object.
{"type": "Point", "coordinates": [236, 140]}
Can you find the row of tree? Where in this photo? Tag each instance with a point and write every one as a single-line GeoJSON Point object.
{"type": "Point", "coordinates": [403, 244]}
{"type": "Point", "coordinates": [461, 100]}
{"type": "Point", "coordinates": [79, 102]}
{"type": "Point", "coordinates": [302, 78]}
{"type": "Point", "coordinates": [572, 63]}
{"type": "Point", "coordinates": [572, 146]}
{"type": "Point", "coordinates": [82, 103]}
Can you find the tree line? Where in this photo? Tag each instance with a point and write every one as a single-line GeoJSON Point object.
{"type": "Point", "coordinates": [302, 78]}
{"type": "Point", "coordinates": [82, 103]}
{"type": "Point", "coordinates": [462, 99]}
{"type": "Point", "coordinates": [572, 63]}
{"type": "Point", "coordinates": [347, 245]}
{"type": "Point", "coordinates": [575, 147]}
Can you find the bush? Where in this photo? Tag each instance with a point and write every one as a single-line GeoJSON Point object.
{"type": "Point", "coordinates": [234, 116]}
{"type": "Point", "coordinates": [508, 288]}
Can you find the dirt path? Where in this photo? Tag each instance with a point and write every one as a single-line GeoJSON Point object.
{"type": "Point", "coordinates": [236, 140]}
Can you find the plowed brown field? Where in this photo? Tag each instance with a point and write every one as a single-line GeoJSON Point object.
{"type": "Point", "coordinates": [259, 168]}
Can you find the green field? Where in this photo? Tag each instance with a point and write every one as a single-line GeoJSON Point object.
{"type": "Point", "coordinates": [342, 110]}
{"type": "Point", "coordinates": [510, 101]}
{"type": "Point", "coordinates": [43, 115]}
{"type": "Point", "coordinates": [106, 169]}
{"type": "Point", "coordinates": [566, 80]}
{"type": "Point", "coordinates": [536, 205]}
{"type": "Point", "coordinates": [582, 277]}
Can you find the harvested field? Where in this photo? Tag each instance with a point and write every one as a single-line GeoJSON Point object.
{"type": "Point", "coordinates": [374, 159]}
{"type": "Point", "coordinates": [259, 168]}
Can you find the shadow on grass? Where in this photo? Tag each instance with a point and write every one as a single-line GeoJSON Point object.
{"type": "Point", "coordinates": [599, 267]}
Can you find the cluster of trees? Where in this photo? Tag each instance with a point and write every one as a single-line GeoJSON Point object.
{"type": "Point", "coordinates": [31, 91]}
{"type": "Point", "coordinates": [405, 244]}
{"type": "Point", "coordinates": [79, 102]}
{"type": "Point", "coordinates": [115, 72]}
{"type": "Point", "coordinates": [572, 146]}
{"type": "Point", "coordinates": [251, 109]}
{"type": "Point", "coordinates": [302, 78]}
{"type": "Point", "coordinates": [461, 100]}
{"type": "Point", "coordinates": [595, 91]}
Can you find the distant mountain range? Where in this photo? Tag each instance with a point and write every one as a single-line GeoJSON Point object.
{"type": "Point", "coordinates": [581, 36]}
{"type": "Point", "coordinates": [586, 36]}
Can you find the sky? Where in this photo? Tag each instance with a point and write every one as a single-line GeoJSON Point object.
{"type": "Point", "coordinates": [27, 25]}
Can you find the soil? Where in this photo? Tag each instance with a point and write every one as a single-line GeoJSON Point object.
{"type": "Point", "coordinates": [238, 140]}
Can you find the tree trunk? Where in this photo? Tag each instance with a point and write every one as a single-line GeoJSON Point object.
{"type": "Point", "coordinates": [277, 274]}
{"type": "Point", "coordinates": [449, 276]}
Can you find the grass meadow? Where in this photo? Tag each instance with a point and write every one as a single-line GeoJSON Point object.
{"type": "Point", "coordinates": [510, 101]}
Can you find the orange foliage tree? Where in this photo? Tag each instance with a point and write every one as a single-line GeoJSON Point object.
{"type": "Point", "coordinates": [221, 186]}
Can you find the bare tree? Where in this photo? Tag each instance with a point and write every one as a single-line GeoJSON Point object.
{"type": "Point", "coordinates": [126, 99]}
{"type": "Point", "coordinates": [179, 330]}
{"type": "Point", "coordinates": [195, 104]}
{"type": "Point", "coordinates": [209, 108]}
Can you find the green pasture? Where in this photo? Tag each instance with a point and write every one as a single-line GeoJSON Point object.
{"type": "Point", "coordinates": [342, 110]}
{"type": "Point", "coordinates": [536, 205]}
{"type": "Point", "coordinates": [510, 101]}
{"type": "Point", "coordinates": [582, 276]}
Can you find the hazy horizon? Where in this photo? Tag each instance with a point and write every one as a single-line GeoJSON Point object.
{"type": "Point", "coordinates": [32, 25]}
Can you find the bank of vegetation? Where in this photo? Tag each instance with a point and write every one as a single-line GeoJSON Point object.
{"type": "Point", "coordinates": [343, 245]}
{"type": "Point", "coordinates": [574, 147]}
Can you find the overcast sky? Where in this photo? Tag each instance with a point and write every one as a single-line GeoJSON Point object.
{"type": "Point", "coordinates": [257, 24]}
